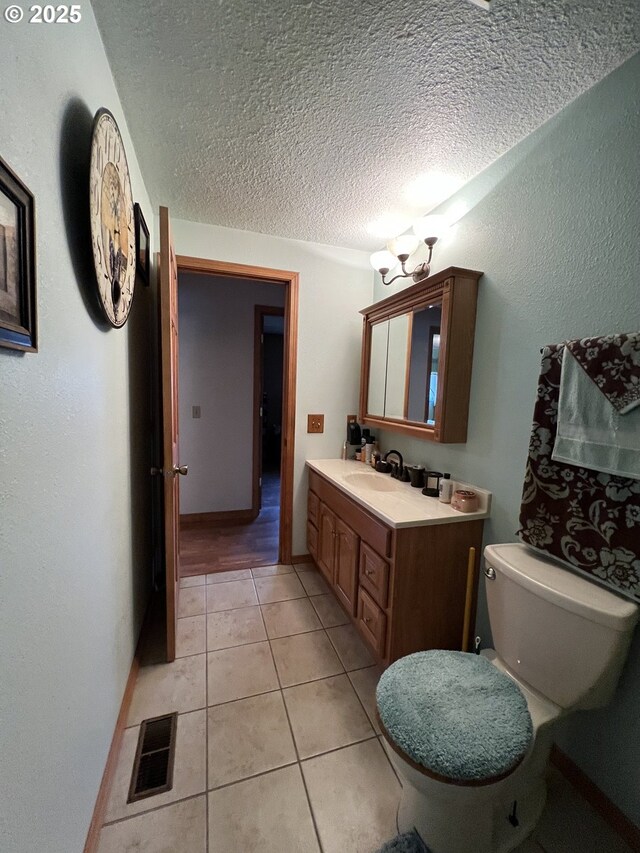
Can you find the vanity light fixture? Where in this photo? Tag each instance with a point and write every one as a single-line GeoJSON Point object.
{"type": "Point", "coordinates": [427, 229]}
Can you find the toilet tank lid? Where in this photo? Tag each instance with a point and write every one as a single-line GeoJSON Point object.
{"type": "Point", "coordinates": [561, 586]}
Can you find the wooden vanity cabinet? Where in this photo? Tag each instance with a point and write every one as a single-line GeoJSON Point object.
{"type": "Point", "coordinates": [404, 588]}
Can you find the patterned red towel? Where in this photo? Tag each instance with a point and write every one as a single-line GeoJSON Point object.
{"type": "Point", "coordinates": [590, 521]}
{"type": "Point", "coordinates": [613, 363]}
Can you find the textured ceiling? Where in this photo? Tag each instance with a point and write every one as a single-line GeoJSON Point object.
{"type": "Point", "coordinates": [308, 118]}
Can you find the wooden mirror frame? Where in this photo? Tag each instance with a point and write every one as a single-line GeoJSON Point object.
{"type": "Point", "coordinates": [457, 291]}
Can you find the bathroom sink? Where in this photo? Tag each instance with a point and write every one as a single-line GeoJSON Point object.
{"type": "Point", "coordinates": [373, 481]}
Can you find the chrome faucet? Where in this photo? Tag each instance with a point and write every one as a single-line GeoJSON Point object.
{"type": "Point", "coordinates": [398, 467]}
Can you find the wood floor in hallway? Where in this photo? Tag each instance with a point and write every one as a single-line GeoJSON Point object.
{"type": "Point", "coordinates": [207, 548]}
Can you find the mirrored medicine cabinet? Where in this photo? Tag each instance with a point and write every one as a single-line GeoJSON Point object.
{"type": "Point", "coordinates": [417, 353]}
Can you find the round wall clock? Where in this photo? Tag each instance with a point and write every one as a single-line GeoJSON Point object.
{"type": "Point", "coordinates": [112, 222]}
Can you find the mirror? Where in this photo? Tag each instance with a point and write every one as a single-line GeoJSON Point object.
{"type": "Point", "coordinates": [397, 351]}
{"type": "Point", "coordinates": [403, 376]}
{"type": "Point", "coordinates": [417, 354]}
{"type": "Point", "coordinates": [378, 369]}
{"type": "Point", "coordinates": [422, 377]}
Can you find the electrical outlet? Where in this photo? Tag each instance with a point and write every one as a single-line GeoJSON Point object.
{"type": "Point", "coordinates": [352, 419]}
{"type": "Point", "coordinates": [315, 423]}
{"type": "Point", "coordinates": [195, 411]}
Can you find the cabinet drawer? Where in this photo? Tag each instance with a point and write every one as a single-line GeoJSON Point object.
{"type": "Point", "coordinates": [372, 621]}
{"type": "Point", "coordinates": [312, 540]}
{"type": "Point", "coordinates": [313, 506]}
{"type": "Point", "coordinates": [374, 575]}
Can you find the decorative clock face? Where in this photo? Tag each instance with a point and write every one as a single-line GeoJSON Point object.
{"type": "Point", "coordinates": [112, 222]}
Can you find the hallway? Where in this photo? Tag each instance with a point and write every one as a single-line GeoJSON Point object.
{"type": "Point", "coordinates": [277, 746]}
{"type": "Point", "coordinates": [206, 548]}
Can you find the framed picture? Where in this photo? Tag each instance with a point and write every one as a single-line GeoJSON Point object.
{"type": "Point", "coordinates": [143, 253]}
{"type": "Point", "coordinates": [17, 264]}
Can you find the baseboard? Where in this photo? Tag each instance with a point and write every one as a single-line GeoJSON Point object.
{"type": "Point", "coordinates": [616, 819]}
{"type": "Point", "coordinates": [232, 516]}
{"type": "Point", "coordinates": [100, 808]}
{"type": "Point", "coordinates": [301, 558]}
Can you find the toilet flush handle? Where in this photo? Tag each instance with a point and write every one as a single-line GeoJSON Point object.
{"type": "Point", "coordinates": [490, 573]}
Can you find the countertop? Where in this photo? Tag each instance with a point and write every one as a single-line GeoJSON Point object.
{"type": "Point", "coordinates": [397, 504]}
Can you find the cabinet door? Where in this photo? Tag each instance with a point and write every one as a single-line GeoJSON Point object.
{"type": "Point", "coordinates": [326, 542]}
{"type": "Point", "coordinates": [346, 563]}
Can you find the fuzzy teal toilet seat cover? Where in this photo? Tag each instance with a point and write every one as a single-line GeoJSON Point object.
{"type": "Point", "coordinates": [455, 714]}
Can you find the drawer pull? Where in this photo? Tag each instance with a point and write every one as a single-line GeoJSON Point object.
{"type": "Point", "coordinates": [367, 619]}
{"type": "Point", "coordinates": [369, 572]}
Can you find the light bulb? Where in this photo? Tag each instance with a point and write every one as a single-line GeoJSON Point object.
{"type": "Point", "coordinates": [428, 227]}
{"type": "Point", "coordinates": [404, 245]}
{"type": "Point", "coordinates": [383, 260]}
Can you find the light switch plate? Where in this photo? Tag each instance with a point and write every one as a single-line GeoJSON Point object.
{"type": "Point", "coordinates": [315, 423]}
{"type": "Point", "coordinates": [195, 411]}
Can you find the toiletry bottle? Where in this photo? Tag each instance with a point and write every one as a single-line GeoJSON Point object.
{"type": "Point", "coordinates": [446, 489]}
{"type": "Point", "coordinates": [354, 439]}
{"type": "Point", "coordinates": [365, 437]}
{"type": "Point", "coordinates": [344, 451]}
{"type": "Point", "coordinates": [368, 449]}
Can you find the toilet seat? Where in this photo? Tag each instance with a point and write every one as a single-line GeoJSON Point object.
{"type": "Point", "coordinates": [454, 717]}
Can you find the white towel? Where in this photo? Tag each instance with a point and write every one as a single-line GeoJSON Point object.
{"type": "Point", "coordinates": [591, 433]}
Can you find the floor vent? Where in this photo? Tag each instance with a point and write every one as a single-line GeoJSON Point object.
{"type": "Point", "coordinates": [153, 766]}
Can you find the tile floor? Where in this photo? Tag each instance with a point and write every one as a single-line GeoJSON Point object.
{"type": "Point", "coordinates": [277, 748]}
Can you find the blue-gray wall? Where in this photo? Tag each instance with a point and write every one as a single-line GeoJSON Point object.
{"type": "Point", "coordinates": [74, 459]}
{"type": "Point", "coordinates": [555, 225]}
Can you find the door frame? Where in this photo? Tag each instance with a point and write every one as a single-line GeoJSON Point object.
{"type": "Point", "coordinates": [260, 312]}
{"type": "Point", "coordinates": [290, 281]}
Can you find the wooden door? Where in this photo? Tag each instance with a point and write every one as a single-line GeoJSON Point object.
{"type": "Point", "coordinates": [346, 565]}
{"type": "Point", "coordinates": [326, 542]}
{"type": "Point", "coordinates": [168, 299]}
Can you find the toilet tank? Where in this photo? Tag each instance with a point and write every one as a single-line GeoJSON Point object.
{"type": "Point", "coordinates": [563, 635]}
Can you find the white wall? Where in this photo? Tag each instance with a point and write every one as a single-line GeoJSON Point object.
{"type": "Point", "coordinates": [74, 461]}
{"type": "Point", "coordinates": [334, 285]}
{"type": "Point", "coordinates": [554, 225]}
{"type": "Point", "coordinates": [216, 317]}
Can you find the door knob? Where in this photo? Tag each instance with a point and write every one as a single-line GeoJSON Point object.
{"type": "Point", "coordinates": [177, 469]}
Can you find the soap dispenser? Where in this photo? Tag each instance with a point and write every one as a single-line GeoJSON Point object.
{"type": "Point", "coordinates": [445, 489]}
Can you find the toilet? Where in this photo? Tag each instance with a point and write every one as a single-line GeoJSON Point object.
{"type": "Point", "coordinates": [470, 736]}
